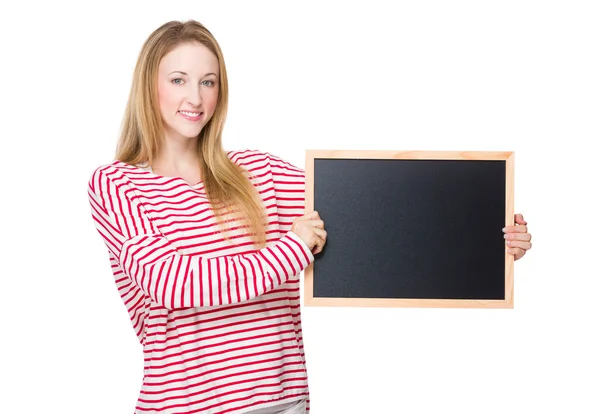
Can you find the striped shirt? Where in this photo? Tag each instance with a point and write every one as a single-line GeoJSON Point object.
{"type": "Point", "coordinates": [218, 320]}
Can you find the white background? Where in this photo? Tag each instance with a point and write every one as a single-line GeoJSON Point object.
{"type": "Point", "coordinates": [522, 76]}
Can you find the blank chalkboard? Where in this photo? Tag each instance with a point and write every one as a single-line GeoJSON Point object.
{"type": "Point", "coordinates": [416, 229]}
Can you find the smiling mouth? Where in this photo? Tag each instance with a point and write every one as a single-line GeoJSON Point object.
{"type": "Point", "coordinates": [190, 115]}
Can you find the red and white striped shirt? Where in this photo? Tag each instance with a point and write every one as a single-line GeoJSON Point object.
{"type": "Point", "coordinates": [219, 321]}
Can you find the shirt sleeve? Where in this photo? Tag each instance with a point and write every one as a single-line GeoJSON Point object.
{"type": "Point", "coordinates": [174, 280]}
{"type": "Point", "coordinates": [289, 183]}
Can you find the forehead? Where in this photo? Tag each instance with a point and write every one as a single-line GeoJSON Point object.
{"type": "Point", "coordinates": [192, 58]}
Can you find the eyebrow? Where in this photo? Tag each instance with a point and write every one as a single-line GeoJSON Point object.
{"type": "Point", "coordinates": [184, 73]}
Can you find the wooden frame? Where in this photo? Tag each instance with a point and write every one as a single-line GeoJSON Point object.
{"type": "Point", "coordinates": [507, 302]}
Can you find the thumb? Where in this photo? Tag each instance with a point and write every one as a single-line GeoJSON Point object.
{"type": "Point", "coordinates": [519, 219]}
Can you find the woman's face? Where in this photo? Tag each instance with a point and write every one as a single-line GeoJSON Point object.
{"type": "Point", "coordinates": [188, 89]}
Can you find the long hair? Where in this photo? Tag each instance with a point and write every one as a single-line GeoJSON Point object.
{"type": "Point", "coordinates": [227, 185]}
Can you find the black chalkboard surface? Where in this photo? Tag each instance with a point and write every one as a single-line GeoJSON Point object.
{"type": "Point", "coordinates": [417, 229]}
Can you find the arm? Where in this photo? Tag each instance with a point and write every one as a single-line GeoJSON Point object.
{"type": "Point", "coordinates": [289, 183]}
{"type": "Point", "coordinates": [174, 280]}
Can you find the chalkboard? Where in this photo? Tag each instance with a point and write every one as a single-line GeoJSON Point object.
{"type": "Point", "coordinates": [411, 229]}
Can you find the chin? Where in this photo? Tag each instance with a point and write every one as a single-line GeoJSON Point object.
{"type": "Point", "coordinates": [185, 133]}
{"type": "Point", "coordinates": [190, 134]}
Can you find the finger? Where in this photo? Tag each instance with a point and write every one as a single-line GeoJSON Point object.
{"type": "Point", "coordinates": [519, 219]}
{"type": "Point", "coordinates": [318, 246]}
{"type": "Point", "coordinates": [523, 245]}
{"type": "Point", "coordinates": [321, 233]}
{"type": "Point", "coordinates": [313, 215]}
{"type": "Point", "coordinates": [515, 229]}
{"type": "Point", "coordinates": [320, 224]}
{"type": "Point", "coordinates": [518, 236]}
{"type": "Point", "coordinates": [516, 252]}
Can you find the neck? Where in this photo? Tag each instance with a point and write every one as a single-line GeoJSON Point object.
{"type": "Point", "coordinates": [178, 158]}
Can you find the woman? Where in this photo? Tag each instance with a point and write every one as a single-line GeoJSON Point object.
{"type": "Point", "coordinates": [206, 245]}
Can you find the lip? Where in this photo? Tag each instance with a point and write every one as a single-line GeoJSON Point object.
{"type": "Point", "coordinates": [191, 117]}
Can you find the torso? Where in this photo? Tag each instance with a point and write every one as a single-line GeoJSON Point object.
{"type": "Point", "coordinates": [216, 359]}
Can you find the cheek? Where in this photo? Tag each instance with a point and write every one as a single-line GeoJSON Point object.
{"type": "Point", "coordinates": [165, 99]}
{"type": "Point", "coordinates": [210, 101]}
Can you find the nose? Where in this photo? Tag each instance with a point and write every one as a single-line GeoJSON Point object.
{"type": "Point", "coordinates": [195, 95]}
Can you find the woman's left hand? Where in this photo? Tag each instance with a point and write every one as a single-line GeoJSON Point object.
{"type": "Point", "coordinates": [518, 240]}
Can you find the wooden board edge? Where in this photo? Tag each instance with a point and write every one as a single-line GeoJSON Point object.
{"type": "Point", "coordinates": [421, 155]}
{"type": "Point", "coordinates": [408, 303]}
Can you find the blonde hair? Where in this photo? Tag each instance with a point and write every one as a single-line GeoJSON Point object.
{"type": "Point", "coordinates": [226, 184]}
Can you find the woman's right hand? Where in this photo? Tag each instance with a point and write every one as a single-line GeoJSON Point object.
{"type": "Point", "coordinates": [311, 229]}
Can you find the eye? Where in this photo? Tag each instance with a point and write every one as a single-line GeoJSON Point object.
{"type": "Point", "coordinates": [177, 81]}
{"type": "Point", "coordinates": [208, 83]}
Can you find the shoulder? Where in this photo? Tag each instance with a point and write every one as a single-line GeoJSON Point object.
{"type": "Point", "coordinates": [252, 159]}
{"type": "Point", "coordinates": [115, 172]}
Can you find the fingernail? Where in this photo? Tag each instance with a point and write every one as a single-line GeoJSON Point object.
{"type": "Point", "coordinates": [504, 229]}
{"type": "Point", "coordinates": [506, 236]}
